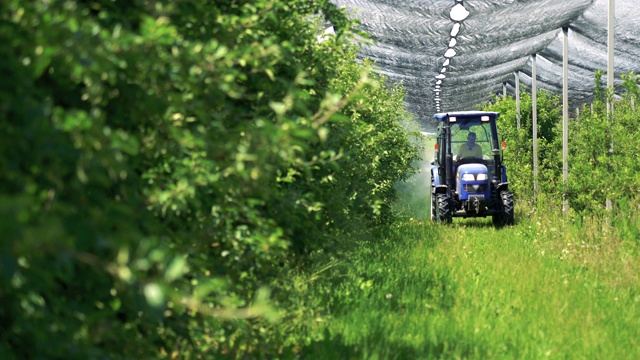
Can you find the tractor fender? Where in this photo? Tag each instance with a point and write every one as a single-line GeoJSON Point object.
{"type": "Point", "coordinates": [502, 186]}
{"type": "Point", "coordinates": [503, 171]}
{"type": "Point", "coordinates": [440, 189]}
{"type": "Point", "coordinates": [435, 176]}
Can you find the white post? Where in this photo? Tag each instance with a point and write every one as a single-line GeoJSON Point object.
{"type": "Point", "coordinates": [565, 116]}
{"type": "Point", "coordinates": [610, 76]}
{"type": "Point", "coordinates": [504, 89]}
{"type": "Point", "coordinates": [517, 76]}
{"type": "Point", "coordinates": [534, 117]}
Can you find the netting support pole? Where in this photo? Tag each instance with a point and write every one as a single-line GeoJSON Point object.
{"type": "Point", "coordinates": [565, 117]}
{"type": "Point", "coordinates": [504, 90]}
{"type": "Point", "coordinates": [517, 76]}
{"type": "Point", "coordinates": [610, 77]}
{"type": "Point", "coordinates": [534, 117]}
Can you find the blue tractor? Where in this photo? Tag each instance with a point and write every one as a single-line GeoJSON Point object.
{"type": "Point", "coordinates": [468, 177]}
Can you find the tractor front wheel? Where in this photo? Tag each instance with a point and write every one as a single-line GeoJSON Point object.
{"type": "Point", "coordinates": [506, 215]}
{"type": "Point", "coordinates": [443, 211]}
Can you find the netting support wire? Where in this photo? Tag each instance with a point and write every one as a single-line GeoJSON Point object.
{"type": "Point", "coordinates": [516, 74]}
{"type": "Point", "coordinates": [565, 117]}
{"type": "Point", "coordinates": [610, 74]}
{"type": "Point", "coordinates": [534, 117]}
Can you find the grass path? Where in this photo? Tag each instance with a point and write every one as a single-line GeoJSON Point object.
{"type": "Point", "coordinates": [539, 289]}
{"type": "Point", "coordinates": [469, 291]}
{"type": "Point", "coordinates": [521, 296]}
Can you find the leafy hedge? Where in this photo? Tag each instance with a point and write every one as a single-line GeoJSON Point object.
{"type": "Point", "coordinates": [519, 152]}
{"type": "Point", "coordinates": [163, 160]}
{"type": "Point", "coordinates": [602, 149]}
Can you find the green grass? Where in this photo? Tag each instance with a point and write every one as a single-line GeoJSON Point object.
{"type": "Point", "coordinates": [469, 291]}
{"type": "Point", "coordinates": [540, 289]}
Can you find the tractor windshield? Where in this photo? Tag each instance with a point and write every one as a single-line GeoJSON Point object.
{"type": "Point", "coordinates": [484, 136]}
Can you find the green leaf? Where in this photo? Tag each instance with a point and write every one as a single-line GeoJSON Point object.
{"type": "Point", "coordinates": [154, 295]}
{"type": "Point", "coordinates": [176, 269]}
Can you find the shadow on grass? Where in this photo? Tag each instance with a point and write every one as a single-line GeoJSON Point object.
{"type": "Point", "coordinates": [480, 223]}
{"type": "Point", "coordinates": [378, 346]}
{"type": "Point", "coordinates": [375, 347]}
{"type": "Point", "coordinates": [473, 222]}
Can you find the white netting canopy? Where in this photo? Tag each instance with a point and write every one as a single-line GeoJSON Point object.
{"type": "Point", "coordinates": [449, 67]}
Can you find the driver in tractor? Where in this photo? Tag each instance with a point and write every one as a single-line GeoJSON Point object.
{"type": "Point", "coordinates": [469, 149]}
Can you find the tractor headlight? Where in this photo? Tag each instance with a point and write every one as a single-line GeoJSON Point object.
{"type": "Point", "coordinates": [468, 177]}
{"type": "Point", "coordinates": [474, 177]}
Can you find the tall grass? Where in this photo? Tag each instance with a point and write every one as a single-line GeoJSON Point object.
{"type": "Point", "coordinates": [547, 287]}
{"type": "Point", "coordinates": [541, 289]}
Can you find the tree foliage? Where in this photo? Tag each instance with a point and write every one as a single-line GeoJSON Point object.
{"type": "Point", "coordinates": [519, 152]}
{"type": "Point", "coordinates": [162, 160]}
{"type": "Point", "coordinates": [602, 147]}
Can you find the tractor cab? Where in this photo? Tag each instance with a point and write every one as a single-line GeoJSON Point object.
{"type": "Point", "coordinates": [468, 177]}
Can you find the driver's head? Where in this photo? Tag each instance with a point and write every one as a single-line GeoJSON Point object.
{"type": "Point", "coordinates": [471, 137]}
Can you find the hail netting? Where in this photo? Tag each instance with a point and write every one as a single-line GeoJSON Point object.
{"type": "Point", "coordinates": [496, 39]}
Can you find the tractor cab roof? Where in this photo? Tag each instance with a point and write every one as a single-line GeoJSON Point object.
{"type": "Point", "coordinates": [467, 116]}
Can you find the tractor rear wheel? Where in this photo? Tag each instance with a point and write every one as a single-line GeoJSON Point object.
{"type": "Point", "coordinates": [506, 215]}
{"type": "Point", "coordinates": [443, 211]}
